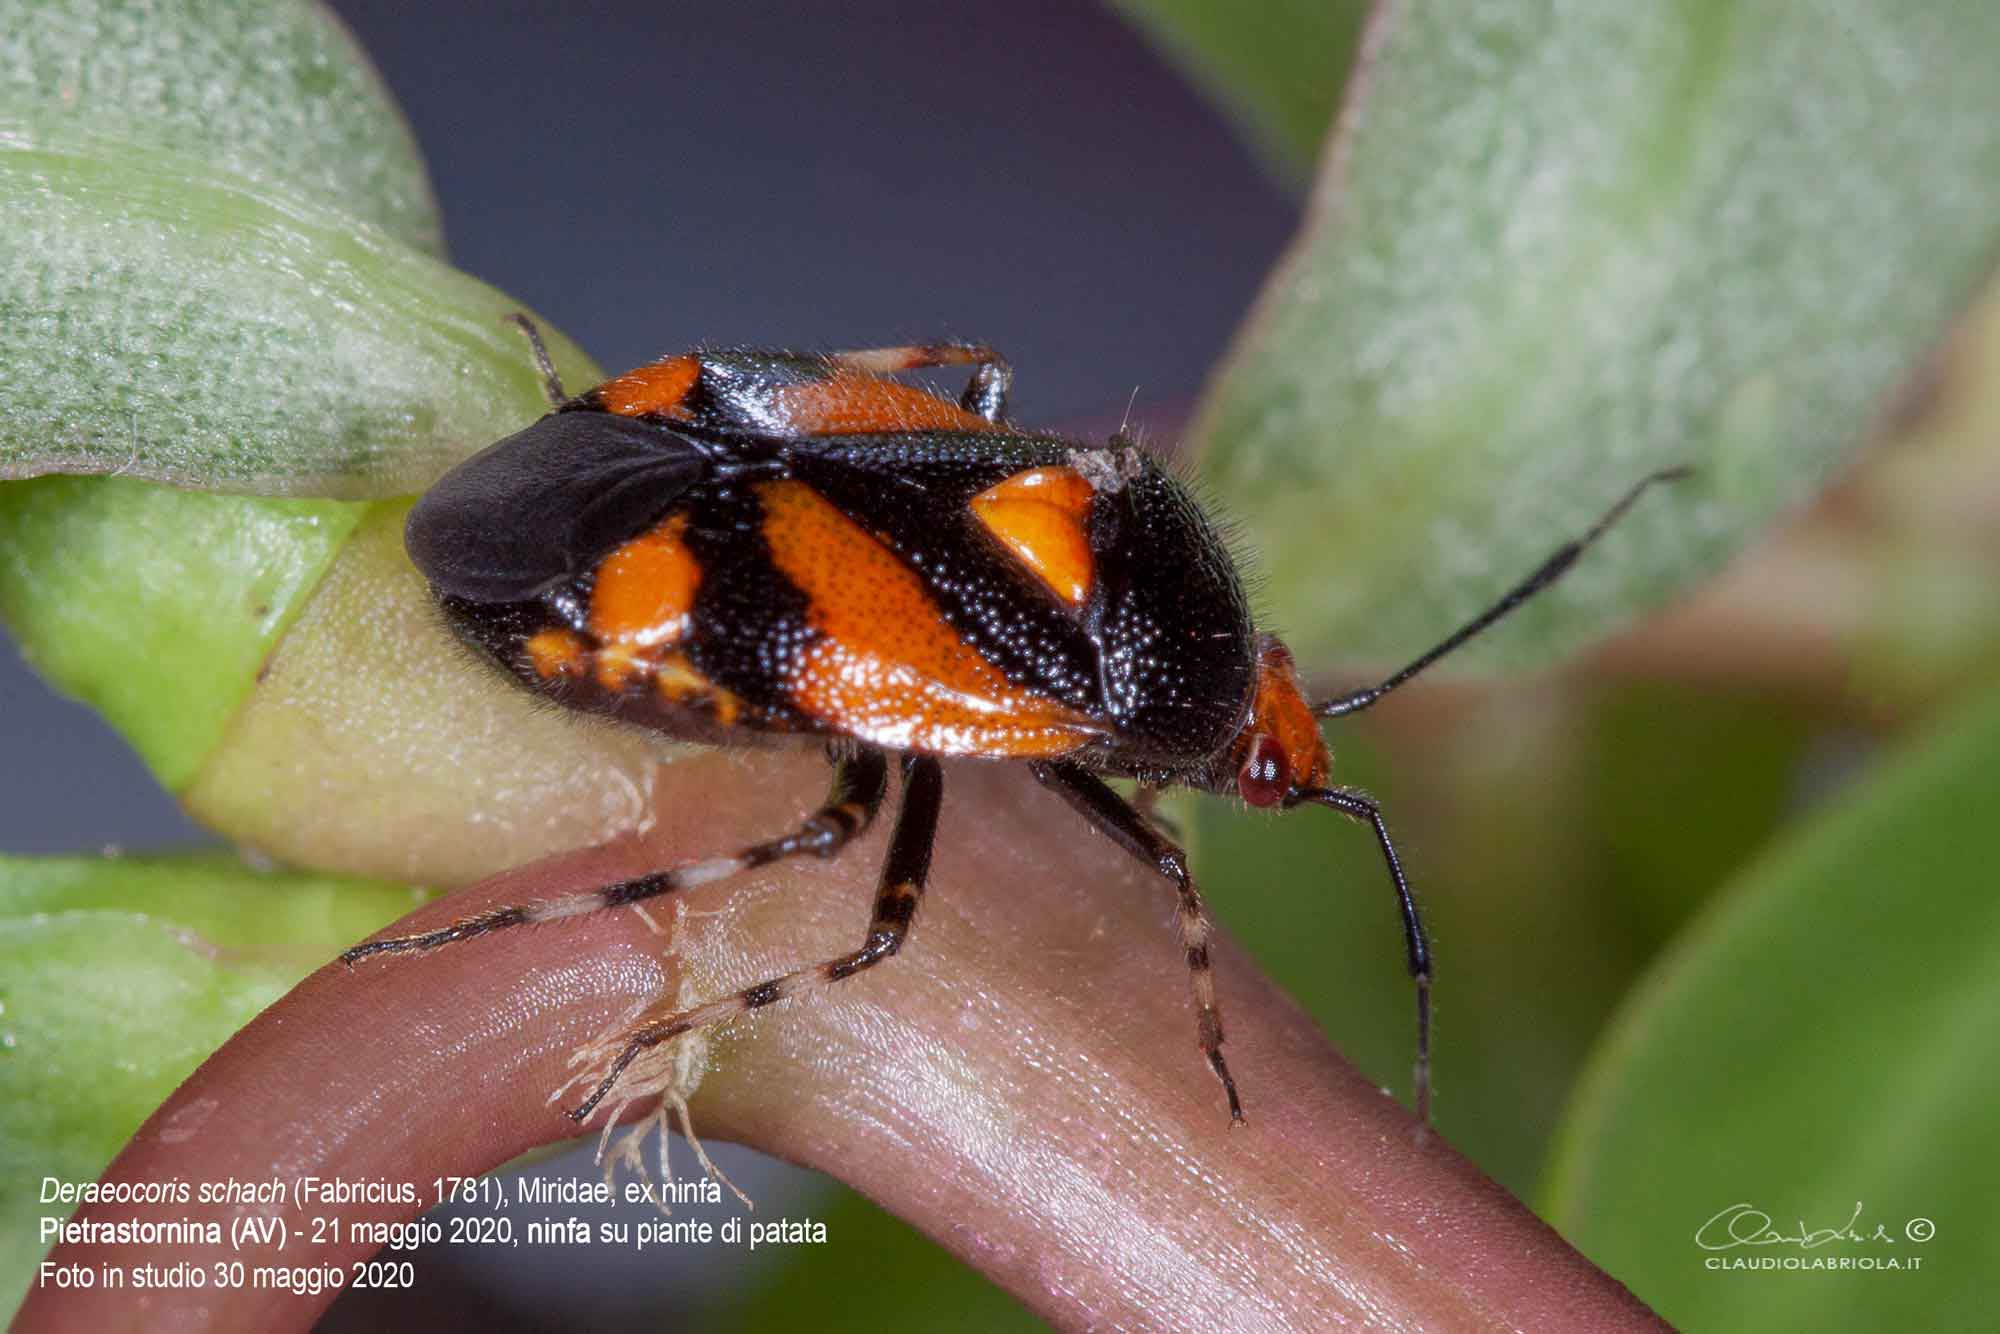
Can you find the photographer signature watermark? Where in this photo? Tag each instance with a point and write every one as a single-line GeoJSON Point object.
{"type": "Point", "coordinates": [1743, 1237]}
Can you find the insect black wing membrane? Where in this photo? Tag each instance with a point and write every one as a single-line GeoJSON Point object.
{"type": "Point", "coordinates": [545, 503]}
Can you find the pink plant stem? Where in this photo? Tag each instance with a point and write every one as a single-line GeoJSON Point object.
{"type": "Point", "coordinates": [1022, 1083]}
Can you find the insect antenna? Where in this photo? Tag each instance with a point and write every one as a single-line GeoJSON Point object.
{"type": "Point", "coordinates": [551, 382]}
{"type": "Point", "coordinates": [1545, 574]}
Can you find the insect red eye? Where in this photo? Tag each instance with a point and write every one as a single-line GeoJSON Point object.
{"type": "Point", "coordinates": [1266, 775]}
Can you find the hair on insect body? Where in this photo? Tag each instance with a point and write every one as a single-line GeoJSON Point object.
{"type": "Point", "coordinates": [758, 547]}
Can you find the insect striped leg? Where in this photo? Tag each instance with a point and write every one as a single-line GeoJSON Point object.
{"type": "Point", "coordinates": [859, 781]}
{"type": "Point", "coordinates": [1114, 817]}
{"type": "Point", "coordinates": [986, 394]}
{"type": "Point", "coordinates": [904, 872]}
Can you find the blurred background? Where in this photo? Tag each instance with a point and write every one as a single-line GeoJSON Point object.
{"type": "Point", "coordinates": [1038, 176]}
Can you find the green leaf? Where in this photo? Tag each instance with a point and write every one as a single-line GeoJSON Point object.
{"type": "Point", "coordinates": [273, 93]}
{"type": "Point", "coordinates": [1818, 1038]}
{"type": "Point", "coordinates": [158, 607]}
{"type": "Point", "coordinates": [1564, 246]}
{"type": "Point", "coordinates": [1277, 66]}
{"type": "Point", "coordinates": [117, 977]}
{"type": "Point", "coordinates": [219, 256]}
{"type": "Point", "coordinates": [216, 271]}
{"type": "Point", "coordinates": [188, 327]}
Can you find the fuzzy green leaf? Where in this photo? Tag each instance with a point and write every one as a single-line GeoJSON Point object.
{"type": "Point", "coordinates": [1564, 246]}
{"type": "Point", "coordinates": [275, 93]}
{"type": "Point", "coordinates": [189, 327]}
{"type": "Point", "coordinates": [216, 270]}
{"type": "Point", "coordinates": [219, 261]}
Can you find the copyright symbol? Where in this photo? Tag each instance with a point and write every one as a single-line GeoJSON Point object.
{"type": "Point", "coordinates": [1920, 1229]}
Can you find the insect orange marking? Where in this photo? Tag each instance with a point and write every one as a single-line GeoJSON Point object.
{"type": "Point", "coordinates": [851, 403]}
{"type": "Point", "coordinates": [885, 666]}
{"type": "Point", "coordinates": [1042, 515]}
{"type": "Point", "coordinates": [644, 592]}
{"type": "Point", "coordinates": [615, 665]}
{"type": "Point", "coordinates": [556, 653]}
{"type": "Point", "coordinates": [657, 388]}
{"type": "Point", "coordinates": [728, 708]}
{"type": "Point", "coordinates": [677, 679]}
{"type": "Point", "coordinates": [679, 683]}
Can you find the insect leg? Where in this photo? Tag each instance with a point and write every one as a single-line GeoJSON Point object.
{"type": "Point", "coordinates": [859, 780]}
{"type": "Point", "coordinates": [1146, 801]}
{"type": "Point", "coordinates": [1112, 816]}
{"type": "Point", "coordinates": [1362, 807]}
{"type": "Point", "coordinates": [902, 887]}
{"type": "Point", "coordinates": [986, 394]}
{"type": "Point", "coordinates": [551, 382]}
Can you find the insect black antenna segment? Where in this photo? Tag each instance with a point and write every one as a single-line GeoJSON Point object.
{"type": "Point", "coordinates": [1360, 806]}
{"type": "Point", "coordinates": [551, 382]}
{"type": "Point", "coordinates": [1547, 573]}
{"type": "Point", "coordinates": [1364, 808]}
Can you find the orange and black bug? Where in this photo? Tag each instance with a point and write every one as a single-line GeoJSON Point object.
{"type": "Point", "coordinates": [743, 546]}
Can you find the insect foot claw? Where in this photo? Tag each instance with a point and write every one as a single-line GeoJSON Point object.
{"type": "Point", "coordinates": [622, 1066]}
{"type": "Point", "coordinates": [622, 1060]}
